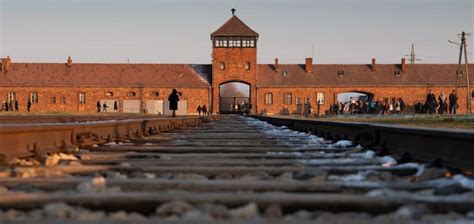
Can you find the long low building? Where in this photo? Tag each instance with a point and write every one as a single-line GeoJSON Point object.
{"type": "Point", "coordinates": [272, 88]}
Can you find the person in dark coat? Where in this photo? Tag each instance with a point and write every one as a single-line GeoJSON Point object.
{"type": "Point", "coordinates": [115, 105]}
{"type": "Point", "coordinates": [173, 98]}
{"type": "Point", "coordinates": [453, 102]}
{"type": "Point", "coordinates": [431, 102]}
{"type": "Point", "coordinates": [16, 105]}
{"type": "Point", "coordinates": [98, 106]}
{"type": "Point", "coordinates": [204, 110]}
{"type": "Point", "coordinates": [199, 109]}
{"type": "Point", "coordinates": [28, 105]}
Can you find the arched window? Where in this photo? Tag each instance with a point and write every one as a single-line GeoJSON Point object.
{"type": "Point", "coordinates": [132, 94]}
{"type": "Point", "coordinates": [109, 94]}
{"type": "Point", "coordinates": [34, 97]}
{"type": "Point", "coordinates": [268, 98]}
{"type": "Point", "coordinates": [155, 94]}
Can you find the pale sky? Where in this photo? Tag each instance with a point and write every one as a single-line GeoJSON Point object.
{"type": "Point", "coordinates": [177, 31]}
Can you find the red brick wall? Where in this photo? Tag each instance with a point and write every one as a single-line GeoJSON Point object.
{"type": "Point", "coordinates": [194, 96]}
{"type": "Point", "coordinates": [234, 59]}
{"type": "Point", "coordinates": [409, 94]}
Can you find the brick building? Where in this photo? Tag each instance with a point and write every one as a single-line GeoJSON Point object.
{"type": "Point", "coordinates": [273, 88]}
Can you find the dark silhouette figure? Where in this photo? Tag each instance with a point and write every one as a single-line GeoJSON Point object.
{"type": "Point", "coordinates": [104, 107]}
{"type": "Point", "coordinates": [10, 106]}
{"type": "Point", "coordinates": [453, 102]}
{"type": "Point", "coordinates": [98, 106]}
{"type": "Point", "coordinates": [115, 106]}
{"type": "Point", "coordinates": [16, 105]}
{"type": "Point", "coordinates": [431, 102]}
{"type": "Point", "coordinates": [204, 110]}
{"type": "Point", "coordinates": [199, 109]}
{"type": "Point", "coordinates": [173, 98]}
{"type": "Point", "coordinates": [28, 105]}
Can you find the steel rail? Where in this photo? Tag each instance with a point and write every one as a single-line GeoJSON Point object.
{"type": "Point", "coordinates": [448, 147]}
{"type": "Point", "coordinates": [36, 139]}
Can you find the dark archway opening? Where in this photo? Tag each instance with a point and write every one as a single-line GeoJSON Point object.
{"type": "Point", "coordinates": [234, 98]}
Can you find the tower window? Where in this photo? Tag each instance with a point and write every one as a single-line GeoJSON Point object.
{"type": "Point", "coordinates": [155, 94]}
{"type": "Point", "coordinates": [132, 94]}
{"type": "Point", "coordinates": [287, 97]}
{"type": "Point", "coordinates": [109, 94]}
{"type": "Point", "coordinates": [247, 65]}
{"type": "Point", "coordinates": [222, 65]}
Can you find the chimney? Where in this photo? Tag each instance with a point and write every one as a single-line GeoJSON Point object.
{"type": "Point", "coordinates": [373, 64]}
{"type": "Point", "coordinates": [277, 68]}
{"type": "Point", "coordinates": [309, 65]}
{"type": "Point", "coordinates": [404, 66]}
{"type": "Point", "coordinates": [6, 63]}
{"type": "Point", "coordinates": [69, 61]}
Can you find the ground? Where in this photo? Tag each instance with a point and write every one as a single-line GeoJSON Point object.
{"type": "Point", "coordinates": [436, 121]}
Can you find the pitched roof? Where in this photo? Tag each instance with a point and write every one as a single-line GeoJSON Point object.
{"type": "Point", "coordinates": [234, 27]}
{"type": "Point", "coordinates": [359, 75]}
{"type": "Point", "coordinates": [111, 75]}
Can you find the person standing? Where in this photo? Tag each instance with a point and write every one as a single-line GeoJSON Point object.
{"type": "Point", "coordinates": [16, 105]}
{"type": "Point", "coordinates": [115, 106]}
{"type": "Point", "coordinates": [28, 104]}
{"type": "Point", "coordinates": [173, 98]}
{"type": "Point", "coordinates": [104, 107]}
{"type": "Point", "coordinates": [402, 105]}
{"type": "Point", "coordinates": [98, 106]}
{"type": "Point", "coordinates": [453, 102]}
{"type": "Point", "coordinates": [431, 102]}
{"type": "Point", "coordinates": [204, 110]}
{"type": "Point", "coordinates": [199, 110]}
{"type": "Point", "coordinates": [442, 103]}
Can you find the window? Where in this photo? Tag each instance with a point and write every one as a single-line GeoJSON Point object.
{"type": "Point", "coordinates": [155, 94]}
{"type": "Point", "coordinates": [340, 73]}
{"type": "Point", "coordinates": [284, 73]}
{"type": "Point", "coordinates": [287, 97]}
{"type": "Point", "coordinates": [252, 44]}
{"type": "Point", "coordinates": [298, 100]}
{"type": "Point", "coordinates": [247, 65]}
{"type": "Point", "coordinates": [269, 98]}
{"type": "Point", "coordinates": [109, 94]}
{"type": "Point", "coordinates": [306, 100]}
{"type": "Point", "coordinates": [320, 98]}
{"type": "Point", "coordinates": [63, 100]}
{"type": "Point", "coordinates": [34, 97]}
{"type": "Point", "coordinates": [11, 97]}
{"type": "Point", "coordinates": [82, 98]}
{"type": "Point", "coordinates": [132, 94]}
{"type": "Point", "coordinates": [53, 100]}
{"type": "Point", "coordinates": [222, 66]}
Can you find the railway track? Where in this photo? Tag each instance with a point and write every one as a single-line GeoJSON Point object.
{"type": "Point", "coordinates": [233, 170]}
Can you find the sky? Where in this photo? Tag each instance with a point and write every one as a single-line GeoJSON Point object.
{"type": "Point", "coordinates": [178, 31]}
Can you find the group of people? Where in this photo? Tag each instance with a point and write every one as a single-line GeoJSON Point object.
{"type": "Point", "coordinates": [441, 105]}
{"type": "Point", "coordinates": [13, 105]}
{"type": "Point", "coordinates": [103, 107]}
{"type": "Point", "coordinates": [369, 107]}
{"type": "Point", "coordinates": [202, 109]}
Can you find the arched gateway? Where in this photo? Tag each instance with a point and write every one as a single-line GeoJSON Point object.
{"type": "Point", "coordinates": [234, 58]}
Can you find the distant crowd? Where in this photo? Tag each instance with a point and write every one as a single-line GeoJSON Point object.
{"type": "Point", "coordinates": [13, 105]}
{"type": "Point", "coordinates": [432, 105]}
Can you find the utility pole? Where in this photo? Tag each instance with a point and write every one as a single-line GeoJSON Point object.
{"type": "Point", "coordinates": [463, 42]}
{"type": "Point", "coordinates": [412, 55]}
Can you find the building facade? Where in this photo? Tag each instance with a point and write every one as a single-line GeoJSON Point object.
{"type": "Point", "coordinates": [273, 88]}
